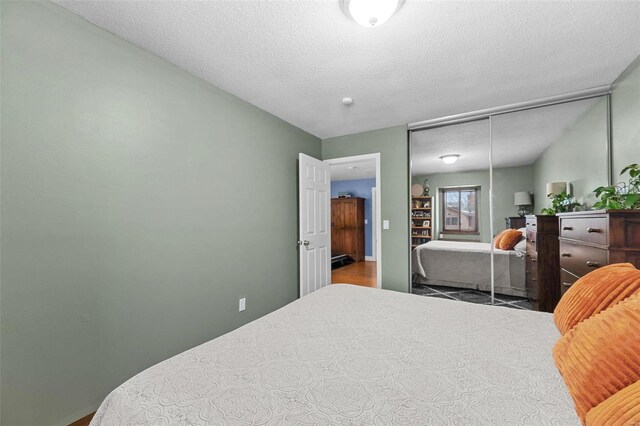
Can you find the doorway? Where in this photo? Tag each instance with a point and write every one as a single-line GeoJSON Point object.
{"type": "Point", "coordinates": [355, 213]}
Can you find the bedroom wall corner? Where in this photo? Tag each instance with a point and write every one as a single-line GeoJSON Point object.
{"type": "Point", "coordinates": [133, 196]}
{"type": "Point", "coordinates": [562, 161]}
{"type": "Point", "coordinates": [392, 144]}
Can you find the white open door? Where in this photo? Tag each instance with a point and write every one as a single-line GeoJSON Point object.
{"type": "Point", "coordinates": [314, 215]}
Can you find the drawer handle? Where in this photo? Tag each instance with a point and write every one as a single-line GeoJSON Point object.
{"type": "Point", "coordinates": [592, 264]}
{"type": "Point", "coordinates": [567, 228]}
{"type": "Point", "coordinates": [533, 259]}
{"type": "Point", "coordinates": [567, 284]}
{"type": "Point", "coordinates": [565, 254]}
{"type": "Point", "coordinates": [593, 230]}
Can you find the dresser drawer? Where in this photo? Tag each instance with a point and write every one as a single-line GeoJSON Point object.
{"type": "Point", "coordinates": [588, 229]}
{"type": "Point", "coordinates": [566, 281]}
{"type": "Point", "coordinates": [531, 223]}
{"type": "Point", "coordinates": [532, 246]}
{"type": "Point", "coordinates": [532, 288]}
{"type": "Point", "coordinates": [531, 263]}
{"type": "Point", "coordinates": [580, 259]}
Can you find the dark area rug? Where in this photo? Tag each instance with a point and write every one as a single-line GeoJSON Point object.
{"type": "Point", "coordinates": [471, 296]}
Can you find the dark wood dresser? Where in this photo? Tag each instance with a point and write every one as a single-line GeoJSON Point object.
{"type": "Point", "coordinates": [591, 239]}
{"type": "Point", "coordinates": [542, 262]}
{"type": "Point", "coordinates": [347, 227]}
{"type": "Point", "coordinates": [515, 222]}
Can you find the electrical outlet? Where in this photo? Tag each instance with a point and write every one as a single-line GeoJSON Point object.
{"type": "Point", "coordinates": [366, 221]}
{"type": "Point", "coordinates": [385, 224]}
{"type": "Point", "coordinates": [242, 304]}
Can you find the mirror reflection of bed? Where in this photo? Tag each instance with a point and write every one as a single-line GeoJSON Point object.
{"type": "Point", "coordinates": [516, 154]}
{"type": "Point", "coordinates": [353, 257]}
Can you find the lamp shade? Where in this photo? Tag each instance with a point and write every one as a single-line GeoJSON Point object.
{"type": "Point", "coordinates": [556, 188]}
{"type": "Point", "coordinates": [522, 198]}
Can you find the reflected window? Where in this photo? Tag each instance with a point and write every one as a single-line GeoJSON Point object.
{"type": "Point", "coordinates": [460, 209]}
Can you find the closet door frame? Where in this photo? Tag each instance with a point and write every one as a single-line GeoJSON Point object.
{"type": "Point", "coordinates": [601, 91]}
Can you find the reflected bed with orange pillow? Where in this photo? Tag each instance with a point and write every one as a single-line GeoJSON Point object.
{"type": "Point", "coordinates": [464, 264]}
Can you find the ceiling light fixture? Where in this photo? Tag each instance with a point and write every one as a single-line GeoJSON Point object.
{"type": "Point", "coordinates": [370, 13]}
{"type": "Point", "coordinates": [450, 158]}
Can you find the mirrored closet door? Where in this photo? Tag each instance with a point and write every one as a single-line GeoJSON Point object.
{"type": "Point", "coordinates": [450, 165]}
{"type": "Point", "coordinates": [473, 179]}
{"type": "Point", "coordinates": [557, 152]}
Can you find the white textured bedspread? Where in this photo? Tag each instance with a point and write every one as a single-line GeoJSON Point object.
{"type": "Point", "coordinates": [359, 356]}
{"type": "Point", "coordinates": [468, 265]}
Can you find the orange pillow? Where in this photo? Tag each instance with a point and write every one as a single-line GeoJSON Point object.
{"type": "Point", "coordinates": [510, 238]}
{"type": "Point", "coordinates": [599, 356]}
{"type": "Point", "coordinates": [623, 408]}
{"type": "Point", "coordinates": [497, 238]}
{"type": "Point", "coordinates": [595, 292]}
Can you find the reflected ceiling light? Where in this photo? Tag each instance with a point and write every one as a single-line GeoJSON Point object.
{"type": "Point", "coordinates": [370, 13]}
{"type": "Point", "coordinates": [450, 158]}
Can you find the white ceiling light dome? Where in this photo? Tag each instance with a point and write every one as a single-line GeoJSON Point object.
{"type": "Point", "coordinates": [370, 13]}
{"type": "Point", "coordinates": [450, 158]}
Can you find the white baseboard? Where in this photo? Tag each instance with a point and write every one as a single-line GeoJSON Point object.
{"type": "Point", "coordinates": [370, 258]}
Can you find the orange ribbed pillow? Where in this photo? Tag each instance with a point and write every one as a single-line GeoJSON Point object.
{"type": "Point", "coordinates": [595, 292]}
{"type": "Point", "coordinates": [497, 238]}
{"type": "Point", "coordinates": [623, 408]}
{"type": "Point", "coordinates": [599, 356]}
{"type": "Point", "coordinates": [510, 238]}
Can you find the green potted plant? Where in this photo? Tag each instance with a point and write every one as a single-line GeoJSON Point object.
{"type": "Point", "coordinates": [560, 203]}
{"type": "Point", "coordinates": [623, 195]}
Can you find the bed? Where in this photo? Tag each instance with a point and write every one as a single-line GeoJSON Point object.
{"type": "Point", "coordinates": [467, 265]}
{"type": "Point", "coordinates": [359, 356]}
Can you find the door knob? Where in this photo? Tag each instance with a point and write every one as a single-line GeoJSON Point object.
{"type": "Point", "coordinates": [304, 243]}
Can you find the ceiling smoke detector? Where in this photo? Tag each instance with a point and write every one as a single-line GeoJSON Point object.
{"type": "Point", "coordinates": [370, 13]}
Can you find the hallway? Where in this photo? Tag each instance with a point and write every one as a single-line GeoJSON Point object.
{"type": "Point", "coordinates": [359, 273]}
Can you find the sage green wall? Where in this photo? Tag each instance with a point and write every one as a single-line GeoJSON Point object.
{"type": "Point", "coordinates": [137, 202]}
{"type": "Point", "coordinates": [506, 181]}
{"type": "Point", "coordinates": [391, 143]}
{"type": "Point", "coordinates": [625, 122]}
{"type": "Point", "coordinates": [579, 157]}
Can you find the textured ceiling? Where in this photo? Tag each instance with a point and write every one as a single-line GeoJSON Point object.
{"type": "Point", "coordinates": [358, 170]}
{"type": "Point", "coordinates": [518, 139]}
{"type": "Point", "coordinates": [298, 59]}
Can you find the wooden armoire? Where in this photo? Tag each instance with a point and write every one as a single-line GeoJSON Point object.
{"type": "Point", "coordinates": [347, 227]}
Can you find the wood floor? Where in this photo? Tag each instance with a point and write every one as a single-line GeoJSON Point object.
{"type": "Point", "coordinates": [359, 273]}
{"type": "Point", "coordinates": [83, 421]}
